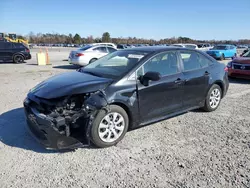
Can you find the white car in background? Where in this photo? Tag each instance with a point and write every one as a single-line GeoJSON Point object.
{"type": "Point", "coordinates": [89, 54]}
{"type": "Point", "coordinates": [104, 44]}
{"type": "Point", "coordinates": [192, 46]}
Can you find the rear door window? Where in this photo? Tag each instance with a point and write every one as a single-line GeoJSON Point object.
{"type": "Point", "coordinates": [193, 60]}
{"type": "Point", "coordinates": [101, 49]}
{"type": "Point", "coordinates": [18, 45]}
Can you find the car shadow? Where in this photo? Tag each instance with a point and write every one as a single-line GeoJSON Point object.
{"type": "Point", "coordinates": [11, 62]}
{"type": "Point", "coordinates": [13, 132]}
{"type": "Point", "coordinates": [67, 67]}
{"type": "Point", "coordinates": [239, 81]}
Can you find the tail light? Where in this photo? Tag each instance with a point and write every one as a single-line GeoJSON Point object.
{"type": "Point", "coordinates": [226, 69]}
{"type": "Point", "coordinates": [79, 54]}
{"type": "Point", "coordinates": [27, 50]}
{"type": "Point", "coordinates": [229, 65]}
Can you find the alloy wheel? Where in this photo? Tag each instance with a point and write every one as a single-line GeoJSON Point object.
{"type": "Point", "coordinates": [215, 98]}
{"type": "Point", "coordinates": [111, 127]}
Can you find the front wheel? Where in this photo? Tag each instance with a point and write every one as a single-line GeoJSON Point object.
{"type": "Point", "coordinates": [109, 128]}
{"type": "Point", "coordinates": [213, 98]}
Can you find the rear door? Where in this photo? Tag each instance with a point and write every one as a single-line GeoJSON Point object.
{"type": "Point", "coordinates": [195, 68]}
{"type": "Point", "coordinates": [9, 50]}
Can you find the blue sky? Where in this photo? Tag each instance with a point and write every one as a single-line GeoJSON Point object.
{"type": "Point", "coordinates": [197, 19]}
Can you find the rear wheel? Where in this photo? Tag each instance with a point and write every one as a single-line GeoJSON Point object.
{"type": "Point", "coordinates": [222, 57]}
{"type": "Point", "coordinates": [92, 60]}
{"type": "Point", "coordinates": [213, 98]}
{"type": "Point", "coordinates": [18, 59]}
{"type": "Point", "coordinates": [109, 128]}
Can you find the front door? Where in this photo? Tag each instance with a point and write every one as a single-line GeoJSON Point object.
{"type": "Point", "coordinates": [162, 97]}
{"type": "Point", "coordinates": [195, 67]}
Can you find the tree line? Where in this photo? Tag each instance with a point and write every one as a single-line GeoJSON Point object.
{"type": "Point", "coordinates": [55, 38]}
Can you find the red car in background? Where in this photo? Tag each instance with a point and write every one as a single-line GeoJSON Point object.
{"type": "Point", "coordinates": [240, 67]}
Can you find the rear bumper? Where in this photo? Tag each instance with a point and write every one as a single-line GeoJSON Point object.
{"type": "Point", "coordinates": [78, 61]}
{"type": "Point", "coordinates": [41, 128]}
{"type": "Point", "coordinates": [27, 57]}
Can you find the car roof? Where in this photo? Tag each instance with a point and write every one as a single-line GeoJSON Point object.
{"type": "Point", "coordinates": [154, 48]}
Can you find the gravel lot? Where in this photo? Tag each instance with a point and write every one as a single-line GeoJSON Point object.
{"type": "Point", "coordinates": [196, 149]}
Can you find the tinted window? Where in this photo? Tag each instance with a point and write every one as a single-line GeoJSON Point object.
{"type": "Point", "coordinates": [111, 49]}
{"type": "Point", "coordinates": [194, 60]}
{"type": "Point", "coordinates": [101, 49]}
{"type": "Point", "coordinates": [164, 63]}
{"type": "Point", "coordinates": [8, 45]}
{"type": "Point", "coordinates": [18, 45]}
{"type": "Point", "coordinates": [220, 47]}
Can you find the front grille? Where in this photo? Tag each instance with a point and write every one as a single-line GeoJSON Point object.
{"type": "Point", "coordinates": [241, 66]}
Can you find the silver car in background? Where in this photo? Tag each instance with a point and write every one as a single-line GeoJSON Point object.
{"type": "Point", "coordinates": [88, 54]}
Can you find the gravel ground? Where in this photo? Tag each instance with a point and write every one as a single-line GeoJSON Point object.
{"type": "Point", "coordinates": [196, 149]}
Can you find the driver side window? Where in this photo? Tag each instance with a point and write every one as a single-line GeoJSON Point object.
{"type": "Point", "coordinates": [165, 63]}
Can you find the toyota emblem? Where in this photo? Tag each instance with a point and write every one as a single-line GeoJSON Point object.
{"type": "Point", "coordinates": [242, 67]}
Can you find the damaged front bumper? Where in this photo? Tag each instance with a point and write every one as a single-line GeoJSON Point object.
{"type": "Point", "coordinates": [41, 127]}
{"type": "Point", "coordinates": [68, 130]}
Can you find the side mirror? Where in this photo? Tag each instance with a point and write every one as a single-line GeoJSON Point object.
{"type": "Point", "coordinates": [154, 76]}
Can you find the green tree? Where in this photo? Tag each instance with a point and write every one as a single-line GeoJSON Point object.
{"type": "Point", "coordinates": [77, 39]}
{"type": "Point", "coordinates": [106, 37]}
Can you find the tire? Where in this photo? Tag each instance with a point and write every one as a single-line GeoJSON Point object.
{"type": "Point", "coordinates": [105, 137]}
{"type": "Point", "coordinates": [222, 57]}
{"type": "Point", "coordinates": [92, 60]}
{"type": "Point", "coordinates": [210, 105]}
{"type": "Point", "coordinates": [18, 59]}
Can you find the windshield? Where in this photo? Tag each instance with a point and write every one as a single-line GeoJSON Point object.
{"type": "Point", "coordinates": [220, 48]}
{"type": "Point", "coordinates": [247, 54]}
{"type": "Point", "coordinates": [115, 65]}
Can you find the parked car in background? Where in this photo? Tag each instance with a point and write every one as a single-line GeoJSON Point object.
{"type": "Point", "coordinates": [191, 46]}
{"type": "Point", "coordinates": [240, 67]}
{"type": "Point", "coordinates": [223, 51]}
{"type": "Point", "coordinates": [121, 46]}
{"type": "Point", "coordinates": [89, 54]}
{"type": "Point", "coordinates": [124, 90]}
{"type": "Point", "coordinates": [204, 46]}
{"type": "Point", "coordinates": [104, 44]}
{"type": "Point", "coordinates": [16, 52]}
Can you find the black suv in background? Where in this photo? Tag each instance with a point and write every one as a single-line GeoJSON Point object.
{"type": "Point", "coordinates": [15, 52]}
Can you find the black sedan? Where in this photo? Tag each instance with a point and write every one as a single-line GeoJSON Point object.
{"type": "Point", "coordinates": [124, 90]}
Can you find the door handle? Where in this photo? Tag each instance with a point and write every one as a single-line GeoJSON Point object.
{"type": "Point", "coordinates": [178, 81]}
{"type": "Point", "coordinates": [207, 73]}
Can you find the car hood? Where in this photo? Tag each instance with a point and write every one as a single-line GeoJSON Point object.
{"type": "Point", "coordinates": [69, 83]}
{"type": "Point", "coordinates": [242, 60]}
